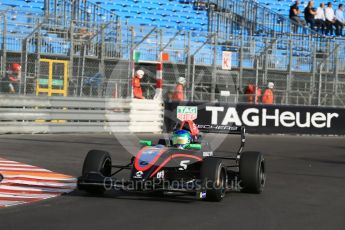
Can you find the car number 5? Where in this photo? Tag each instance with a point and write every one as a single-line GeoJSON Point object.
{"type": "Point", "coordinates": [184, 165]}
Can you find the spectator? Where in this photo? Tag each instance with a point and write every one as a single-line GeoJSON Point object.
{"type": "Point", "coordinates": [81, 37]}
{"type": "Point", "coordinates": [330, 19]}
{"type": "Point", "coordinates": [309, 14]}
{"type": "Point", "coordinates": [253, 92]}
{"type": "Point", "coordinates": [9, 83]}
{"type": "Point", "coordinates": [83, 34]}
{"type": "Point", "coordinates": [340, 21]}
{"type": "Point", "coordinates": [268, 96]}
{"type": "Point", "coordinates": [137, 91]}
{"type": "Point", "coordinates": [250, 91]}
{"type": "Point", "coordinates": [179, 94]}
{"type": "Point", "coordinates": [294, 16]}
{"type": "Point", "coordinates": [320, 18]}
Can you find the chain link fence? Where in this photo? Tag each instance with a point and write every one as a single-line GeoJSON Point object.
{"type": "Point", "coordinates": [101, 57]}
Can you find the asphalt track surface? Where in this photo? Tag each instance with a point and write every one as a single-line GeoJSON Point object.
{"type": "Point", "coordinates": [305, 189]}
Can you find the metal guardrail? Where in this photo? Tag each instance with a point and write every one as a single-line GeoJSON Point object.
{"type": "Point", "coordinates": [23, 114]}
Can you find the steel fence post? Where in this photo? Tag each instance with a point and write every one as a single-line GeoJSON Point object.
{"type": "Point", "coordinates": [71, 53]}
{"type": "Point", "coordinates": [241, 61]}
{"type": "Point", "coordinates": [329, 51]}
{"type": "Point", "coordinates": [288, 82]}
{"type": "Point", "coordinates": [188, 72]}
{"type": "Point", "coordinates": [320, 85]}
{"type": "Point", "coordinates": [193, 79]}
{"type": "Point", "coordinates": [131, 67]}
{"type": "Point", "coordinates": [336, 77]}
{"type": "Point", "coordinates": [256, 76]}
{"type": "Point", "coordinates": [80, 81]}
{"type": "Point", "coordinates": [264, 80]}
{"type": "Point", "coordinates": [214, 71]}
{"type": "Point", "coordinates": [38, 40]}
{"type": "Point", "coordinates": [24, 57]}
{"type": "Point", "coordinates": [46, 8]}
{"type": "Point", "coordinates": [313, 75]}
{"type": "Point", "coordinates": [4, 45]}
{"type": "Point", "coordinates": [101, 56]}
{"type": "Point", "coordinates": [118, 38]}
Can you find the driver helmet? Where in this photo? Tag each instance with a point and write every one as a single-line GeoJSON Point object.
{"type": "Point", "coordinates": [181, 139]}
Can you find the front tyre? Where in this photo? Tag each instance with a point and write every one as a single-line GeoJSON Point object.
{"type": "Point", "coordinates": [214, 178]}
{"type": "Point", "coordinates": [252, 172]}
{"type": "Point", "coordinates": [100, 162]}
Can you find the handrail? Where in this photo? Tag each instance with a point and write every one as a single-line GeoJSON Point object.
{"type": "Point", "coordinates": [85, 11]}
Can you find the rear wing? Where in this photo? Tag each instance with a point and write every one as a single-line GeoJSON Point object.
{"type": "Point", "coordinates": [187, 114]}
{"type": "Point", "coordinates": [223, 129]}
{"type": "Point", "coordinates": [232, 129]}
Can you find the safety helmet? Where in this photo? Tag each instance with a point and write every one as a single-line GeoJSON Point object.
{"type": "Point", "coordinates": [270, 85]}
{"type": "Point", "coordinates": [182, 80]}
{"type": "Point", "coordinates": [16, 68]}
{"type": "Point", "coordinates": [181, 139]}
{"type": "Point", "coordinates": [140, 73]}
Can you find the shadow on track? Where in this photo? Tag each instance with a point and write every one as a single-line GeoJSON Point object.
{"type": "Point", "coordinates": [121, 195]}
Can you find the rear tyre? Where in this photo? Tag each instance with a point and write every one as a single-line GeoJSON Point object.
{"type": "Point", "coordinates": [252, 172]}
{"type": "Point", "coordinates": [214, 178]}
{"type": "Point", "coordinates": [100, 162]}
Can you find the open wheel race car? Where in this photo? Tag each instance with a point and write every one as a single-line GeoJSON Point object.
{"type": "Point", "coordinates": [167, 168]}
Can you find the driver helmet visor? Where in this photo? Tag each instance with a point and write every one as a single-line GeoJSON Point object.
{"type": "Point", "coordinates": [180, 140]}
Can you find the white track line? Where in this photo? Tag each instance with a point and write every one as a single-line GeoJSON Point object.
{"type": "Point", "coordinates": [17, 165]}
{"type": "Point", "coordinates": [5, 161]}
{"type": "Point", "coordinates": [47, 184]}
{"type": "Point", "coordinates": [7, 203]}
{"type": "Point", "coordinates": [41, 178]}
{"type": "Point", "coordinates": [38, 189]}
{"type": "Point", "coordinates": [23, 195]}
{"type": "Point", "coordinates": [26, 170]}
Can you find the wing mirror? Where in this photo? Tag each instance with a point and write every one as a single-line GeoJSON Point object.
{"type": "Point", "coordinates": [194, 146]}
{"type": "Point", "coordinates": [145, 143]}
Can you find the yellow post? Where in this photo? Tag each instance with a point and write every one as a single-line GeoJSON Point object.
{"type": "Point", "coordinates": [49, 90]}
{"type": "Point", "coordinates": [50, 79]}
{"type": "Point", "coordinates": [65, 85]}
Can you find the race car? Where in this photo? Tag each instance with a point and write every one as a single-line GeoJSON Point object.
{"type": "Point", "coordinates": [183, 163]}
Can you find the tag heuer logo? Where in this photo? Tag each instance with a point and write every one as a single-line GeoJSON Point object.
{"type": "Point", "coordinates": [187, 113]}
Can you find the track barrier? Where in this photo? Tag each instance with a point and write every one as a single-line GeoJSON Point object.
{"type": "Point", "coordinates": [19, 114]}
{"type": "Point", "coordinates": [266, 119]}
{"type": "Point", "coordinates": [23, 114]}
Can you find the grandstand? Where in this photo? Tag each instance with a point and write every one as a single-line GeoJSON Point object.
{"type": "Point", "coordinates": [194, 34]}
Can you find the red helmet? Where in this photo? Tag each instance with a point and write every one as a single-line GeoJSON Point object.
{"type": "Point", "coordinates": [250, 89]}
{"type": "Point", "coordinates": [15, 67]}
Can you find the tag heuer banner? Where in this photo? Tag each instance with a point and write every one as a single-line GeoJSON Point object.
{"type": "Point", "coordinates": [259, 118]}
